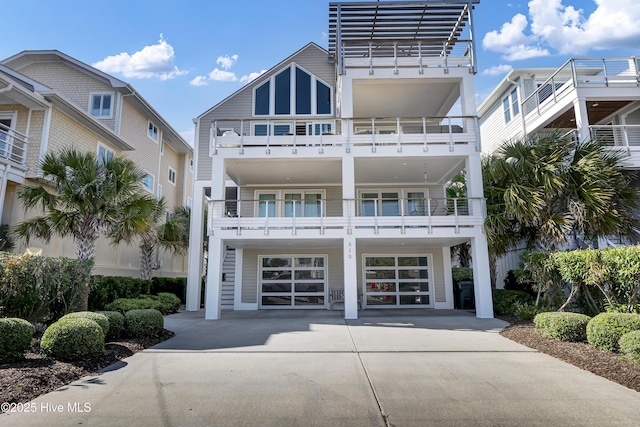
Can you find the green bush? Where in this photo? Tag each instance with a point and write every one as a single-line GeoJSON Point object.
{"type": "Point", "coordinates": [116, 324]}
{"type": "Point", "coordinates": [143, 323]}
{"type": "Point", "coordinates": [122, 305]}
{"type": "Point", "coordinates": [629, 345]}
{"type": "Point", "coordinates": [15, 339]}
{"type": "Point", "coordinates": [41, 289]}
{"type": "Point", "coordinates": [462, 273]}
{"type": "Point", "coordinates": [527, 311]}
{"type": "Point", "coordinates": [106, 289]}
{"type": "Point", "coordinates": [170, 302]}
{"type": "Point", "coordinates": [176, 286]}
{"type": "Point", "coordinates": [562, 326]}
{"type": "Point", "coordinates": [504, 301]}
{"type": "Point", "coordinates": [100, 319]}
{"type": "Point", "coordinates": [73, 339]}
{"type": "Point", "coordinates": [605, 330]}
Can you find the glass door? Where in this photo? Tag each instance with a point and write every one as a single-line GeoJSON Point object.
{"type": "Point", "coordinates": [398, 281]}
{"type": "Point", "coordinates": [267, 205]}
{"type": "Point", "coordinates": [380, 204]}
{"type": "Point", "coordinates": [293, 281]}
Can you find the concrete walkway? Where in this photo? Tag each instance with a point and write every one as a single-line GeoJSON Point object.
{"type": "Point", "coordinates": [314, 368]}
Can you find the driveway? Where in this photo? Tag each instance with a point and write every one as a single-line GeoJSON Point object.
{"type": "Point", "coordinates": [316, 369]}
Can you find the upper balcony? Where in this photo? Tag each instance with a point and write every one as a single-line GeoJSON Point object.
{"type": "Point", "coordinates": [13, 146]}
{"type": "Point", "coordinates": [367, 135]}
{"type": "Point", "coordinates": [417, 34]}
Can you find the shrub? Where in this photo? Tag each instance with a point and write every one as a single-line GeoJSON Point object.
{"type": "Point", "coordinates": [100, 319]}
{"type": "Point", "coordinates": [605, 330]}
{"type": "Point", "coordinates": [170, 303]}
{"type": "Point", "coordinates": [462, 273]}
{"type": "Point", "coordinates": [116, 324]}
{"type": "Point", "coordinates": [527, 311]}
{"type": "Point", "coordinates": [15, 339]}
{"type": "Point", "coordinates": [504, 301]}
{"type": "Point", "coordinates": [73, 339]}
{"type": "Point", "coordinates": [41, 289]}
{"type": "Point", "coordinates": [106, 289]}
{"type": "Point", "coordinates": [143, 323]}
{"type": "Point", "coordinates": [122, 305]}
{"type": "Point", "coordinates": [629, 345]}
{"type": "Point", "coordinates": [562, 326]}
{"type": "Point", "coordinates": [176, 286]}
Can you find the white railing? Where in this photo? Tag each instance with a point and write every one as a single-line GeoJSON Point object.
{"type": "Point", "coordinates": [345, 133]}
{"type": "Point", "coordinates": [345, 214]}
{"type": "Point", "coordinates": [13, 145]}
{"type": "Point", "coordinates": [617, 135]}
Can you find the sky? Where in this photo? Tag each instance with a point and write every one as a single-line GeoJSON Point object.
{"type": "Point", "coordinates": [185, 56]}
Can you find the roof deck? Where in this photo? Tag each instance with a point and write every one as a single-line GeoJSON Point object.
{"type": "Point", "coordinates": [427, 32]}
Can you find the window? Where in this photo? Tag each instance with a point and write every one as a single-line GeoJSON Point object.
{"type": "Point", "coordinates": [101, 105]}
{"type": "Point", "coordinates": [172, 175]}
{"type": "Point", "coordinates": [147, 182]}
{"type": "Point", "coordinates": [274, 97]}
{"type": "Point", "coordinates": [159, 193]}
{"type": "Point", "coordinates": [104, 154]}
{"type": "Point", "coordinates": [152, 131]}
{"type": "Point", "coordinates": [290, 203]}
{"type": "Point", "coordinates": [511, 106]}
{"type": "Point", "coordinates": [263, 129]}
{"type": "Point", "coordinates": [191, 165]}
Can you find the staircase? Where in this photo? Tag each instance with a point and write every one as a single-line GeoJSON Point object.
{"type": "Point", "coordinates": [228, 279]}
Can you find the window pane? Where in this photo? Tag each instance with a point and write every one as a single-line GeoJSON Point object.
{"type": "Point", "coordinates": [310, 300]}
{"type": "Point", "coordinates": [106, 105]}
{"type": "Point", "coordinates": [381, 300]}
{"type": "Point", "coordinates": [310, 287]}
{"type": "Point", "coordinates": [276, 300]}
{"type": "Point", "coordinates": [312, 205]}
{"type": "Point", "coordinates": [262, 100]}
{"type": "Point", "coordinates": [390, 205]}
{"type": "Point", "coordinates": [416, 204]}
{"type": "Point", "coordinates": [283, 92]}
{"type": "Point", "coordinates": [276, 287]}
{"type": "Point", "coordinates": [293, 201]}
{"type": "Point", "coordinates": [95, 109]}
{"type": "Point", "coordinates": [303, 92]}
{"type": "Point", "coordinates": [381, 274]}
{"type": "Point", "coordinates": [381, 287]}
{"type": "Point", "coordinates": [276, 262]}
{"type": "Point", "coordinates": [412, 261]}
{"type": "Point", "coordinates": [414, 299]}
{"type": "Point", "coordinates": [261, 130]}
{"type": "Point", "coordinates": [267, 205]}
{"type": "Point", "coordinates": [381, 262]}
{"type": "Point", "coordinates": [281, 129]}
{"type": "Point", "coordinates": [323, 98]}
{"type": "Point", "coordinates": [309, 274]}
{"type": "Point", "coordinates": [276, 275]}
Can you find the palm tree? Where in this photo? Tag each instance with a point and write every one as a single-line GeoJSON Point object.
{"type": "Point", "coordinates": [6, 242]}
{"type": "Point", "coordinates": [545, 191]}
{"type": "Point", "coordinates": [90, 196]}
{"type": "Point", "coordinates": [170, 232]}
{"type": "Point", "coordinates": [457, 189]}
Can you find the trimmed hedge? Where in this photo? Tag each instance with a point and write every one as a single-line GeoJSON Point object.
{"type": "Point", "coordinates": [169, 302]}
{"type": "Point", "coordinates": [15, 339]}
{"type": "Point", "coordinates": [629, 345]}
{"type": "Point", "coordinates": [562, 326]}
{"type": "Point", "coordinates": [505, 301]}
{"type": "Point", "coordinates": [106, 289]}
{"type": "Point", "coordinates": [116, 324]}
{"type": "Point", "coordinates": [73, 339]}
{"type": "Point", "coordinates": [100, 319]}
{"type": "Point", "coordinates": [143, 323]}
{"type": "Point", "coordinates": [605, 330]}
{"type": "Point", "coordinates": [176, 286]}
{"type": "Point", "coordinates": [165, 303]}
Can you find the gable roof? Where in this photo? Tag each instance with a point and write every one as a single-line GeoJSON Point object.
{"type": "Point", "coordinates": [27, 57]}
{"type": "Point", "coordinates": [264, 76]}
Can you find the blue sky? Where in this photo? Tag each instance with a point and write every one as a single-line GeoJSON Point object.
{"type": "Point", "coordinates": [184, 57]}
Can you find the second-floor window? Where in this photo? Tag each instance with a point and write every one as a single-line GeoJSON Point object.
{"type": "Point", "coordinates": [152, 131]}
{"type": "Point", "coordinates": [172, 175]}
{"type": "Point", "coordinates": [104, 154]}
{"type": "Point", "coordinates": [147, 182]}
{"type": "Point", "coordinates": [293, 92]}
{"type": "Point", "coordinates": [101, 105]}
{"type": "Point", "coordinates": [510, 106]}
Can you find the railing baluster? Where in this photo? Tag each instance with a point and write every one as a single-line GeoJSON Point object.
{"type": "Point", "coordinates": [455, 213]}
{"type": "Point", "coordinates": [321, 216]}
{"type": "Point", "coordinates": [373, 135]}
{"type": "Point", "coordinates": [424, 133]}
{"type": "Point", "coordinates": [430, 229]}
{"type": "Point", "coordinates": [398, 128]}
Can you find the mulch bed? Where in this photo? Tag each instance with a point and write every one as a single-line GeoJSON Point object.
{"type": "Point", "coordinates": [611, 366]}
{"type": "Point", "coordinates": [36, 375]}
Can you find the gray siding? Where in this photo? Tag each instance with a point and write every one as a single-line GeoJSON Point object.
{"type": "Point", "coordinates": [239, 105]}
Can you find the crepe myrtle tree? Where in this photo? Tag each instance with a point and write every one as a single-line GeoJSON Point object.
{"type": "Point", "coordinates": [83, 198]}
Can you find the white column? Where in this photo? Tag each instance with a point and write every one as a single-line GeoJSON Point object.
{"type": "Point", "coordinates": [448, 281]}
{"type": "Point", "coordinates": [481, 277]}
{"type": "Point", "coordinates": [196, 237]}
{"type": "Point", "coordinates": [473, 166]}
{"type": "Point", "coordinates": [3, 187]}
{"type": "Point", "coordinates": [348, 186]}
{"type": "Point", "coordinates": [350, 278]}
{"type": "Point", "coordinates": [582, 119]}
{"type": "Point", "coordinates": [237, 286]}
{"type": "Point", "coordinates": [468, 96]}
{"type": "Point", "coordinates": [214, 279]}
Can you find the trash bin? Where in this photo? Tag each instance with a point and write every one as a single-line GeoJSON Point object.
{"type": "Point", "coordinates": [466, 298]}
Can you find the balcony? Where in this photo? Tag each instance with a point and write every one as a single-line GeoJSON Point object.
{"type": "Point", "coordinates": [627, 136]}
{"type": "Point", "coordinates": [240, 134]}
{"type": "Point", "coordinates": [13, 146]}
{"type": "Point", "coordinates": [345, 216]}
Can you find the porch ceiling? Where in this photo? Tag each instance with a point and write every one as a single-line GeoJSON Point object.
{"type": "Point", "coordinates": [385, 98]}
{"type": "Point", "coordinates": [368, 171]}
{"type": "Point", "coordinates": [596, 111]}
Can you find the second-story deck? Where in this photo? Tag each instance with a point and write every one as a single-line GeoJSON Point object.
{"type": "Point", "coordinates": [13, 146]}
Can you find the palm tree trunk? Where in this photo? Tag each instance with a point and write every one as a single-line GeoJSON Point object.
{"type": "Point", "coordinates": [146, 260]}
{"type": "Point", "coordinates": [85, 250]}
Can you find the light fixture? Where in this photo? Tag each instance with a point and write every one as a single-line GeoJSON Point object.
{"type": "Point", "coordinates": [595, 104]}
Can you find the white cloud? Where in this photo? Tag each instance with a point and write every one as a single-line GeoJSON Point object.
{"type": "Point", "coordinates": [155, 61]}
{"type": "Point", "coordinates": [251, 77]}
{"type": "Point", "coordinates": [227, 61]}
{"type": "Point", "coordinates": [222, 76]}
{"type": "Point", "coordinates": [566, 30]}
{"type": "Point", "coordinates": [199, 81]}
{"type": "Point", "coordinates": [497, 70]}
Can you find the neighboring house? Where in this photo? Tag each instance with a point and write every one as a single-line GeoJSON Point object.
{"type": "Point", "coordinates": [338, 161]}
{"type": "Point", "coordinates": [50, 101]}
{"type": "Point", "coordinates": [584, 98]}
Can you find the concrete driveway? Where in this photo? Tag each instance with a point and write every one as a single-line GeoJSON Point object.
{"type": "Point", "coordinates": [316, 369]}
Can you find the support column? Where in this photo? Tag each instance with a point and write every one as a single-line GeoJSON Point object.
{"type": "Point", "coordinates": [582, 119]}
{"type": "Point", "coordinates": [481, 277]}
{"type": "Point", "coordinates": [3, 187]}
{"type": "Point", "coordinates": [196, 240]}
{"type": "Point", "coordinates": [348, 189]}
{"type": "Point", "coordinates": [214, 279]}
{"type": "Point", "coordinates": [350, 278]}
{"type": "Point", "coordinates": [448, 281]}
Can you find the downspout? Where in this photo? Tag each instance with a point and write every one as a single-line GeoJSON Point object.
{"type": "Point", "coordinates": [520, 105]}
